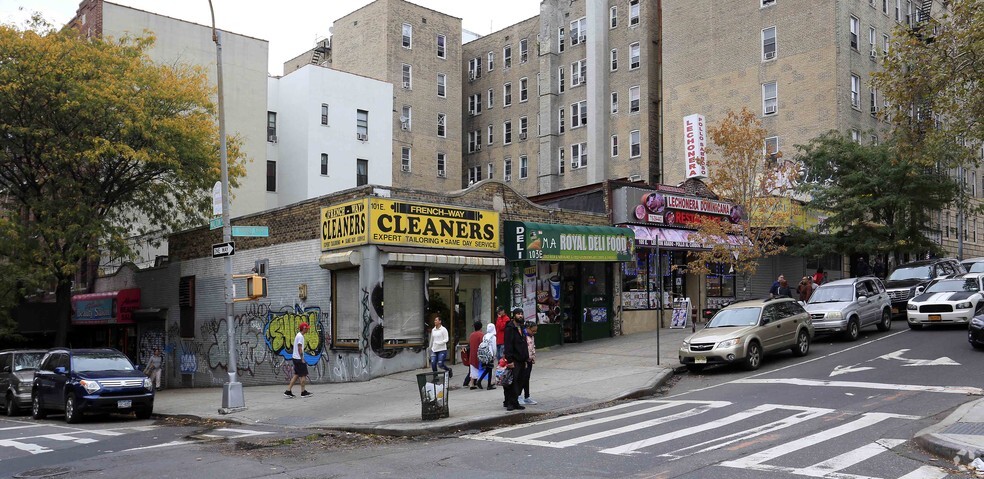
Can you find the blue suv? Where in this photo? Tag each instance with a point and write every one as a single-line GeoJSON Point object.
{"type": "Point", "coordinates": [90, 380]}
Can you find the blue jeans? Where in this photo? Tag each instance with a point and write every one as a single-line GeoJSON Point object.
{"type": "Point", "coordinates": [500, 351]}
{"type": "Point", "coordinates": [437, 359]}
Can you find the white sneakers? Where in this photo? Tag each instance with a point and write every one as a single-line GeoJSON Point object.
{"type": "Point", "coordinates": [528, 401]}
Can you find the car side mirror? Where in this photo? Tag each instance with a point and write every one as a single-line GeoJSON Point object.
{"type": "Point", "coordinates": [6, 369]}
{"type": "Point", "coordinates": [61, 370]}
{"type": "Point", "coordinates": [862, 298]}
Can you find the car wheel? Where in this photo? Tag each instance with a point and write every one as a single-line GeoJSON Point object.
{"type": "Point", "coordinates": [886, 322]}
{"type": "Point", "coordinates": [144, 413]}
{"type": "Point", "coordinates": [802, 344]}
{"type": "Point", "coordinates": [72, 414]}
{"type": "Point", "coordinates": [11, 405]}
{"type": "Point", "coordinates": [37, 408]}
{"type": "Point", "coordinates": [853, 330]}
{"type": "Point", "coordinates": [977, 346]}
{"type": "Point", "coordinates": [695, 368]}
{"type": "Point", "coordinates": [915, 326]}
{"type": "Point", "coordinates": [753, 358]}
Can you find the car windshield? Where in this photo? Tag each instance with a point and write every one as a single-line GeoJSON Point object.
{"type": "Point", "coordinates": [955, 286]}
{"type": "Point", "coordinates": [975, 267]}
{"type": "Point", "coordinates": [915, 272]}
{"type": "Point", "coordinates": [101, 362]}
{"type": "Point", "coordinates": [24, 361]}
{"type": "Point", "coordinates": [832, 294]}
{"type": "Point", "coordinates": [735, 317]}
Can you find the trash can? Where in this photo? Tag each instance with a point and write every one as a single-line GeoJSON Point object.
{"type": "Point", "coordinates": [433, 387]}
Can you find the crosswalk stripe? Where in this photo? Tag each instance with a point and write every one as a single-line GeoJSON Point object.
{"type": "Point", "coordinates": [635, 427]}
{"type": "Point", "coordinates": [850, 458]}
{"type": "Point", "coordinates": [966, 390]}
{"type": "Point", "coordinates": [926, 472]}
{"type": "Point", "coordinates": [24, 446]}
{"type": "Point", "coordinates": [66, 437]}
{"type": "Point", "coordinates": [617, 417]}
{"type": "Point", "coordinates": [567, 418]}
{"type": "Point", "coordinates": [630, 448]}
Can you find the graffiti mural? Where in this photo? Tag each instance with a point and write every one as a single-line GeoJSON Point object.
{"type": "Point", "coordinates": [282, 326]}
{"type": "Point", "coordinates": [151, 339]}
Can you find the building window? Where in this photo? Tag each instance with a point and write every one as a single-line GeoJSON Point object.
{"type": "Point", "coordinates": [524, 128]}
{"type": "Point", "coordinates": [442, 129]}
{"type": "Point", "coordinates": [491, 99]}
{"type": "Point", "coordinates": [474, 141]}
{"type": "Point", "coordinates": [507, 94]}
{"type": "Point", "coordinates": [407, 35]}
{"type": "Point", "coordinates": [769, 43]}
{"type": "Point", "coordinates": [362, 125]}
{"type": "Point", "coordinates": [579, 155]}
{"type": "Point", "coordinates": [560, 79]}
{"type": "Point", "coordinates": [856, 91]}
{"type": "Point", "coordinates": [578, 31]}
{"type": "Point", "coordinates": [324, 113]}
{"type": "Point", "coordinates": [405, 158]}
{"type": "Point", "coordinates": [885, 43]}
{"type": "Point", "coordinates": [873, 97]}
{"type": "Point", "coordinates": [475, 104]}
{"type": "Point", "coordinates": [872, 39]}
{"type": "Point", "coordinates": [405, 117]}
{"type": "Point", "coordinates": [613, 17]}
{"type": "Point", "coordinates": [442, 85]}
{"type": "Point", "coordinates": [770, 98]}
{"type": "Point", "coordinates": [771, 146]}
{"type": "Point", "coordinates": [324, 164]}
{"type": "Point", "coordinates": [474, 68]}
{"type": "Point", "coordinates": [491, 170]}
{"type": "Point", "coordinates": [524, 166]}
{"type": "Point", "coordinates": [524, 50]}
{"type": "Point", "coordinates": [874, 140]}
{"type": "Point", "coordinates": [361, 172]}
{"type": "Point", "coordinates": [898, 11]}
{"type": "Point", "coordinates": [441, 46]}
{"type": "Point", "coordinates": [579, 72]}
{"type": "Point", "coordinates": [491, 136]}
{"type": "Point", "coordinates": [442, 165]}
{"type": "Point", "coordinates": [614, 144]}
{"type": "Point", "coordinates": [407, 77]}
{"type": "Point", "coordinates": [634, 99]}
{"type": "Point", "coordinates": [855, 28]}
{"type": "Point", "coordinates": [614, 60]}
{"type": "Point", "coordinates": [562, 124]}
{"type": "Point", "coordinates": [635, 144]}
{"type": "Point", "coordinates": [272, 126]}
{"type": "Point", "coordinates": [908, 13]}
{"type": "Point", "coordinates": [507, 169]}
{"type": "Point", "coordinates": [506, 132]}
{"type": "Point", "coordinates": [856, 135]}
{"type": "Point", "coordinates": [474, 174]}
{"type": "Point", "coordinates": [634, 56]}
{"type": "Point", "coordinates": [523, 89]}
{"type": "Point", "coordinates": [491, 60]}
{"type": "Point", "coordinates": [560, 40]}
{"type": "Point", "coordinates": [561, 164]}
{"type": "Point", "coordinates": [633, 12]}
{"type": "Point", "coordinates": [614, 102]}
{"type": "Point", "coordinates": [766, 3]}
{"type": "Point", "coordinates": [271, 177]}
{"type": "Point", "coordinates": [885, 7]}
{"type": "Point", "coordinates": [507, 56]}
{"type": "Point", "coordinates": [579, 114]}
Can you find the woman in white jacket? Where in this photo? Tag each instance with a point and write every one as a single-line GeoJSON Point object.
{"type": "Point", "coordinates": [439, 347]}
{"type": "Point", "coordinates": [488, 342]}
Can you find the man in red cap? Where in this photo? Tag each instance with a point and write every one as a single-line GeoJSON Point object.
{"type": "Point", "coordinates": [300, 367]}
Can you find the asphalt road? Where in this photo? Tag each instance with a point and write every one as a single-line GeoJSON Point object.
{"type": "Point", "coordinates": [845, 411]}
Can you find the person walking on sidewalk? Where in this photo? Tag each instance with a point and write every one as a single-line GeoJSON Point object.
{"type": "Point", "coordinates": [488, 343]}
{"type": "Point", "coordinates": [439, 347]}
{"type": "Point", "coordinates": [474, 345]}
{"type": "Point", "coordinates": [501, 320]}
{"type": "Point", "coordinates": [154, 366]}
{"type": "Point", "coordinates": [516, 353]}
{"type": "Point", "coordinates": [300, 367]}
{"type": "Point", "coordinates": [531, 349]}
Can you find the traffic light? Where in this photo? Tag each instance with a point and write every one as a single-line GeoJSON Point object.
{"type": "Point", "coordinates": [256, 286]}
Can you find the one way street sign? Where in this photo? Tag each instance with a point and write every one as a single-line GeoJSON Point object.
{"type": "Point", "coordinates": [223, 249]}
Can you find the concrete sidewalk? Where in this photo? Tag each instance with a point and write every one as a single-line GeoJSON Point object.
{"type": "Point", "coordinates": [565, 378]}
{"type": "Point", "coordinates": [959, 437]}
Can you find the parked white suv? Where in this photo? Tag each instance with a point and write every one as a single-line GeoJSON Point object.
{"type": "Point", "coordinates": [847, 305]}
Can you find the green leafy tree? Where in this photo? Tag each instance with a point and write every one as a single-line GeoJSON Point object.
{"type": "Point", "coordinates": [875, 201]}
{"type": "Point", "coordinates": [97, 144]}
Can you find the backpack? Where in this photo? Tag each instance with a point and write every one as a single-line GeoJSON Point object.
{"type": "Point", "coordinates": [486, 354]}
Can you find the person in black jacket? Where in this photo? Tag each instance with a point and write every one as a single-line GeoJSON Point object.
{"type": "Point", "coordinates": [516, 354]}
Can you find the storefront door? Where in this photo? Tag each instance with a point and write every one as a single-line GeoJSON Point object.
{"type": "Point", "coordinates": [570, 303]}
{"type": "Point", "coordinates": [595, 301]}
{"type": "Point", "coordinates": [440, 303]}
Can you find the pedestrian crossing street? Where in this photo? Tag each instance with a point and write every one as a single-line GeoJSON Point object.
{"type": "Point", "coordinates": [678, 429]}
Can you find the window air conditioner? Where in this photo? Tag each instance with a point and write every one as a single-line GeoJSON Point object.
{"type": "Point", "coordinates": [522, 136]}
{"type": "Point", "coordinates": [874, 109]}
{"type": "Point", "coordinates": [405, 125]}
{"type": "Point", "coordinates": [478, 147]}
{"type": "Point", "coordinates": [361, 136]}
{"type": "Point", "coordinates": [406, 85]}
{"type": "Point", "coordinates": [873, 53]}
{"type": "Point", "coordinates": [272, 138]}
{"type": "Point", "coordinates": [405, 168]}
{"type": "Point", "coordinates": [507, 178]}
{"type": "Point", "coordinates": [770, 109]}
{"type": "Point", "coordinates": [442, 174]}
{"type": "Point", "coordinates": [471, 75]}
{"type": "Point", "coordinates": [580, 39]}
{"type": "Point", "coordinates": [770, 55]}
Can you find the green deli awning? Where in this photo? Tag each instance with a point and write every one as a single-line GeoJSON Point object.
{"type": "Point", "coordinates": [549, 242]}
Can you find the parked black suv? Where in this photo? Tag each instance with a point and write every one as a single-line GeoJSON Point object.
{"type": "Point", "coordinates": [83, 380]}
{"type": "Point", "coordinates": [16, 376]}
{"type": "Point", "coordinates": [911, 279]}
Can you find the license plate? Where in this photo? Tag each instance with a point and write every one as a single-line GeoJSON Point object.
{"type": "Point", "coordinates": [124, 404]}
{"type": "Point", "coordinates": [700, 360]}
{"type": "Point", "coordinates": [935, 317]}
{"type": "Point", "coordinates": [895, 310]}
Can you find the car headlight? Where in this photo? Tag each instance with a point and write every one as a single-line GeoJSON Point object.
{"type": "Point", "coordinates": [729, 343]}
{"type": "Point", "coordinates": [911, 307]}
{"type": "Point", "coordinates": [90, 386]}
{"type": "Point", "coordinates": [977, 322]}
{"type": "Point", "coordinates": [965, 305]}
{"type": "Point", "coordinates": [835, 315]}
{"type": "Point", "coordinates": [147, 383]}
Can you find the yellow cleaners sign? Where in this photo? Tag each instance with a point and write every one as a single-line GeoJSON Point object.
{"type": "Point", "coordinates": [344, 225]}
{"type": "Point", "coordinates": [433, 226]}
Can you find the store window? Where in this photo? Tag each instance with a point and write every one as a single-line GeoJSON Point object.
{"type": "Point", "coordinates": [720, 282]}
{"type": "Point", "coordinates": [345, 318]}
{"type": "Point", "coordinates": [403, 297]}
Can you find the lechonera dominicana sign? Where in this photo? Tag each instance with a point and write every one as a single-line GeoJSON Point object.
{"type": "Point", "coordinates": [396, 222]}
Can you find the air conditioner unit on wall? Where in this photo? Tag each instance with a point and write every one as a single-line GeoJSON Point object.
{"type": "Point", "coordinates": [442, 174]}
{"type": "Point", "coordinates": [272, 138]}
{"type": "Point", "coordinates": [478, 147]}
{"type": "Point", "coordinates": [362, 136]}
{"type": "Point", "coordinates": [580, 39]}
{"type": "Point", "coordinates": [406, 85]}
{"type": "Point", "coordinates": [873, 53]}
{"type": "Point", "coordinates": [405, 168]}
{"type": "Point", "coordinates": [770, 109]}
{"type": "Point", "coordinates": [522, 136]}
{"type": "Point", "coordinates": [770, 55]}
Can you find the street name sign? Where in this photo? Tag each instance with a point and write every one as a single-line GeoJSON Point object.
{"type": "Point", "coordinates": [255, 231]}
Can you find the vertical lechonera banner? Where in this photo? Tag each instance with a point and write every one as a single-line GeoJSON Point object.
{"type": "Point", "coordinates": [694, 145]}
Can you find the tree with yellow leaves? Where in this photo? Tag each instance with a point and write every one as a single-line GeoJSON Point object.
{"type": "Point", "coordinates": [759, 185]}
{"type": "Point", "coordinates": [97, 144]}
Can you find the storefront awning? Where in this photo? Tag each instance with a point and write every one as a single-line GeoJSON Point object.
{"type": "Point", "coordinates": [110, 307]}
{"type": "Point", "coordinates": [524, 241]}
{"type": "Point", "coordinates": [397, 256]}
{"type": "Point", "coordinates": [340, 260]}
{"type": "Point", "coordinates": [670, 238]}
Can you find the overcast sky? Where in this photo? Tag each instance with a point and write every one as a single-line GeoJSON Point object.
{"type": "Point", "coordinates": [291, 26]}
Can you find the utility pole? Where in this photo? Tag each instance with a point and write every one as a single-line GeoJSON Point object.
{"type": "Point", "coordinates": [232, 391]}
{"type": "Point", "coordinates": [960, 213]}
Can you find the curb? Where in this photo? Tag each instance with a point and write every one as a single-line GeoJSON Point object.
{"type": "Point", "coordinates": [935, 442]}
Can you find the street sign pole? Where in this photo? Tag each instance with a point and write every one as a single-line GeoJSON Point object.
{"type": "Point", "coordinates": [232, 391]}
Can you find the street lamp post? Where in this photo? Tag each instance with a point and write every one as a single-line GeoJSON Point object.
{"type": "Point", "coordinates": [232, 391]}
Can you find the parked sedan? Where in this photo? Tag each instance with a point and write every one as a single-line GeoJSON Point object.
{"type": "Point", "coordinates": [90, 380]}
{"type": "Point", "coordinates": [947, 301]}
{"type": "Point", "coordinates": [847, 305]}
{"type": "Point", "coordinates": [975, 332]}
{"type": "Point", "coordinates": [16, 375]}
{"type": "Point", "coordinates": [743, 332]}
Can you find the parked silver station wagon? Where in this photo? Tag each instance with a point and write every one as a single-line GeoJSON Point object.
{"type": "Point", "coordinates": [847, 305]}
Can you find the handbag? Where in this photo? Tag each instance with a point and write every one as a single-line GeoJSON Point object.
{"type": "Point", "coordinates": [504, 376]}
{"type": "Point", "coordinates": [464, 356]}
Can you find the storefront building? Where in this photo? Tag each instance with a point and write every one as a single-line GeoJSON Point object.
{"type": "Point", "coordinates": [563, 277]}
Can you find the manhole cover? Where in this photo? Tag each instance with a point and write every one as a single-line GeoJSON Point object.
{"type": "Point", "coordinates": [44, 472]}
{"type": "Point", "coordinates": [966, 428]}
